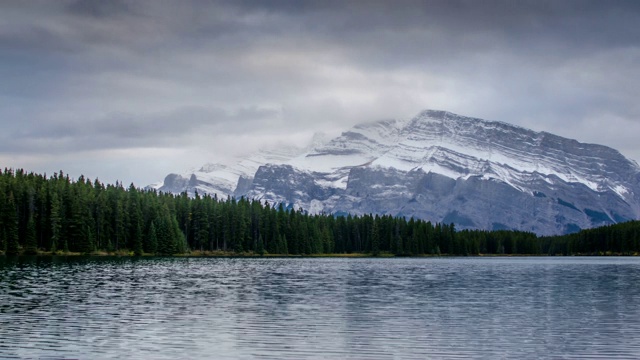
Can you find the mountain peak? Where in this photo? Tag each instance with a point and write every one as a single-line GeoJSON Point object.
{"type": "Point", "coordinates": [441, 166]}
{"type": "Point", "coordinates": [437, 114]}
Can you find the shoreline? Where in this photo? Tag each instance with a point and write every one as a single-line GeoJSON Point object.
{"type": "Point", "coordinates": [231, 254]}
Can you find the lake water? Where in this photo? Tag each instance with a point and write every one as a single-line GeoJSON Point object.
{"type": "Point", "coordinates": [400, 308]}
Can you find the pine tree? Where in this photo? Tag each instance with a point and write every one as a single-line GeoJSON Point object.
{"type": "Point", "coordinates": [137, 240]}
{"type": "Point", "coordinates": [260, 246]}
{"type": "Point", "coordinates": [165, 234]}
{"type": "Point", "coordinates": [88, 243]}
{"type": "Point", "coordinates": [134, 221]}
{"type": "Point", "coordinates": [151, 243]}
{"type": "Point", "coordinates": [2, 211]}
{"type": "Point", "coordinates": [284, 248]}
{"type": "Point", "coordinates": [99, 215]}
{"type": "Point", "coordinates": [11, 226]}
{"type": "Point", "coordinates": [327, 241]}
{"type": "Point", "coordinates": [399, 247]}
{"type": "Point", "coordinates": [375, 239]}
{"type": "Point", "coordinates": [31, 242]}
{"type": "Point", "coordinates": [180, 245]}
{"type": "Point", "coordinates": [119, 220]}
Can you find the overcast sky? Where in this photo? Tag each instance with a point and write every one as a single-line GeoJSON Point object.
{"type": "Point", "coordinates": [133, 90]}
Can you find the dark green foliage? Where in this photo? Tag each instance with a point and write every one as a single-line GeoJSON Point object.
{"type": "Point", "coordinates": [178, 239]}
{"type": "Point", "coordinates": [57, 213]}
{"type": "Point", "coordinates": [137, 240]}
{"type": "Point", "coordinates": [55, 219]}
{"type": "Point", "coordinates": [260, 246]}
{"type": "Point", "coordinates": [620, 238]}
{"type": "Point", "coordinates": [165, 233]}
{"type": "Point", "coordinates": [284, 249]}
{"type": "Point", "coordinates": [375, 239]}
{"type": "Point", "coordinates": [151, 243]}
{"type": "Point", "coordinates": [10, 224]}
{"type": "Point", "coordinates": [31, 243]}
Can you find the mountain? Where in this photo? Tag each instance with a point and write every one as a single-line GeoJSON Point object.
{"type": "Point", "coordinates": [233, 178]}
{"type": "Point", "coordinates": [441, 167]}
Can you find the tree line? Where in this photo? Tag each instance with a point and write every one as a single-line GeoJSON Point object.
{"type": "Point", "coordinates": [56, 214]}
{"type": "Point", "coordinates": [622, 238]}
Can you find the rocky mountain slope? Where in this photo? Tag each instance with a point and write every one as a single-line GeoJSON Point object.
{"type": "Point", "coordinates": [441, 167]}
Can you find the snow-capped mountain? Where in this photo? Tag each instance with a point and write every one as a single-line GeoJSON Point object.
{"type": "Point", "coordinates": [441, 167]}
{"type": "Point", "coordinates": [229, 178]}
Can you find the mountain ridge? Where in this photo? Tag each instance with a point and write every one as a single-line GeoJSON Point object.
{"type": "Point", "coordinates": [440, 166]}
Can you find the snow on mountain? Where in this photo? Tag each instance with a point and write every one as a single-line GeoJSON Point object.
{"type": "Point", "coordinates": [442, 167]}
{"type": "Point", "coordinates": [222, 179]}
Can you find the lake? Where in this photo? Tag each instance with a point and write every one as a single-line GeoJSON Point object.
{"type": "Point", "coordinates": [305, 308]}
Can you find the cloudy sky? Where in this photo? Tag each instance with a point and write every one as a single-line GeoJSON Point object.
{"type": "Point", "coordinates": [133, 90]}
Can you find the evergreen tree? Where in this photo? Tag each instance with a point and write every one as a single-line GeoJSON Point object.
{"type": "Point", "coordinates": [10, 223]}
{"type": "Point", "coordinates": [134, 221]}
{"type": "Point", "coordinates": [284, 248]}
{"type": "Point", "coordinates": [260, 246]}
{"type": "Point", "coordinates": [151, 243]}
{"type": "Point", "coordinates": [166, 234]}
{"type": "Point", "coordinates": [375, 239]}
{"type": "Point", "coordinates": [179, 240]}
{"type": "Point", "coordinates": [137, 240]}
{"type": "Point", "coordinates": [399, 246]}
{"type": "Point", "coordinates": [31, 243]}
{"type": "Point", "coordinates": [81, 216]}
{"type": "Point", "coordinates": [87, 245]}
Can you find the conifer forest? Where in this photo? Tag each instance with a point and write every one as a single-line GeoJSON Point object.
{"type": "Point", "coordinates": [40, 214]}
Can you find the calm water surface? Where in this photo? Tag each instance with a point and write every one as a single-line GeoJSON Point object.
{"type": "Point", "coordinates": [403, 308]}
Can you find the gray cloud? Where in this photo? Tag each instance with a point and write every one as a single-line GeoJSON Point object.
{"type": "Point", "coordinates": [124, 130]}
{"type": "Point", "coordinates": [115, 83]}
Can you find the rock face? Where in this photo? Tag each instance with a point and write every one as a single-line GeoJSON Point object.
{"type": "Point", "coordinates": [441, 167]}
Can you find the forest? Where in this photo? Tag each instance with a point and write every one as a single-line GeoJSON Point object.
{"type": "Point", "coordinates": [58, 215]}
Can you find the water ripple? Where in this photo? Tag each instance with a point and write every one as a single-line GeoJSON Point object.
{"type": "Point", "coordinates": [168, 308]}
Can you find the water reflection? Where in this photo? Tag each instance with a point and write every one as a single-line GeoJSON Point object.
{"type": "Point", "coordinates": [317, 308]}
